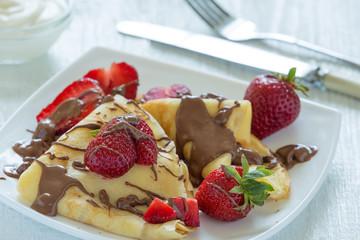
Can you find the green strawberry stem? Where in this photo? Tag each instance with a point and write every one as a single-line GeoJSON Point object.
{"type": "Point", "coordinates": [296, 82]}
{"type": "Point", "coordinates": [255, 192]}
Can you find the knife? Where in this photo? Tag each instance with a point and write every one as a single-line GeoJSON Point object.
{"type": "Point", "coordinates": [242, 54]}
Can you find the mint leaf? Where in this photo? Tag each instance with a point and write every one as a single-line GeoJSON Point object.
{"type": "Point", "coordinates": [237, 189]}
{"type": "Point", "coordinates": [233, 173]}
{"type": "Point", "coordinates": [255, 174]}
{"type": "Point", "coordinates": [245, 166]}
{"type": "Point", "coordinates": [257, 189]}
{"type": "Point", "coordinates": [94, 132]}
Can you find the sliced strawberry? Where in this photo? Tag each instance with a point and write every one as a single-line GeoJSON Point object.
{"type": "Point", "coordinates": [174, 91]}
{"type": "Point", "coordinates": [146, 146]}
{"type": "Point", "coordinates": [188, 210]}
{"type": "Point", "coordinates": [86, 90]}
{"type": "Point", "coordinates": [119, 75]}
{"type": "Point", "coordinates": [159, 212]}
{"type": "Point", "coordinates": [125, 75]}
{"type": "Point", "coordinates": [101, 75]}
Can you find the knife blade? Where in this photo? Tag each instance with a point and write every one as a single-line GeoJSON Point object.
{"type": "Point", "coordinates": [241, 54]}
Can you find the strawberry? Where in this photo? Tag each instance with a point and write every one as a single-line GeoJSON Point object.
{"type": "Point", "coordinates": [86, 90]}
{"type": "Point", "coordinates": [145, 144]}
{"type": "Point", "coordinates": [230, 192]}
{"type": "Point", "coordinates": [119, 75]}
{"type": "Point", "coordinates": [101, 75]}
{"type": "Point", "coordinates": [124, 141]}
{"type": "Point", "coordinates": [174, 91]}
{"type": "Point", "coordinates": [111, 153]}
{"type": "Point", "coordinates": [159, 212]}
{"type": "Point", "coordinates": [188, 210]}
{"type": "Point", "coordinates": [275, 104]}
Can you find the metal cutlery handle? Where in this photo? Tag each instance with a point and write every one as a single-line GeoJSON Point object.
{"type": "Point", "coordinates": [292, 40]}
{"type": "Point", "coordinates": [347, 84]}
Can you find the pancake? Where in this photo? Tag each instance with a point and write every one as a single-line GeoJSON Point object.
{"type": "Point", "coordinates": [104, 203]}
{"type": "Point", "coordinates": [207, 114]}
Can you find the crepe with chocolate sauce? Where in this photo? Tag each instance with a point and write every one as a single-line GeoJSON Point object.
{"type": "Point", "coordinates": [212, 132]}
{"type": "Point", "coordinates": [115, 205]}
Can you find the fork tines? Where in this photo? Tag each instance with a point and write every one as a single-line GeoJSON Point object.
{"type": "Point", "coordinates": [210, 12]}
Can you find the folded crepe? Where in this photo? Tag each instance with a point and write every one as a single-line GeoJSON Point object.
{"type": "Point", "coordinates": [115, 205]}
{"type": "Point", "coordinates": [204, 120]}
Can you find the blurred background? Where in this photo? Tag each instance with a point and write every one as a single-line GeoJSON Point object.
{"type": "Point", "coordinates": [333, 24]}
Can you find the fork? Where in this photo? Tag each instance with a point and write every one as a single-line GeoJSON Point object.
{"type": "Point", "coordinates": [237, 29]}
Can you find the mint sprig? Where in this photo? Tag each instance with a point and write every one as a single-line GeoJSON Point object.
{"type": "Point", "coordinates": [255, 192]}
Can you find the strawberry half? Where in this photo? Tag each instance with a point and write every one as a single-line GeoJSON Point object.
{"type": "Point", "coordinates": [188, 210]}
{"type": "Point", "coordinates": [124, 141]}
{"type": "Point", "coordinates": [120, 77]}
{"type": "Point", "coordinates": [159, 212]}
{"type": "Point", "coordinates": [111, 153]}
{"type": "Point", "coordinates": [230, 192]}
{"type": "Point", "coordinates": [86, 90]}
{"type": "Point", "coordinates": [174, 91]}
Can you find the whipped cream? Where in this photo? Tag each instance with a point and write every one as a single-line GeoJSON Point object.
{"type": "Point", "coordinates": [26, 13]}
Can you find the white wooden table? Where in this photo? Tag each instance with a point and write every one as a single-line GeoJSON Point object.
{"type": "Point", "coordinates": [334, 213]}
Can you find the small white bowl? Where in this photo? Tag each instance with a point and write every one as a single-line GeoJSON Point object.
{"type": "Point", "coordinates": [18, 45]}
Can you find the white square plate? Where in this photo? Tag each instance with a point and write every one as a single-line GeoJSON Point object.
{"type": "Point", "coordinates": [317, 125]}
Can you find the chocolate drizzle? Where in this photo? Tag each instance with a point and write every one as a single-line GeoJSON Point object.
{"type": "Point", "coordinates": [93, 203]}
{"type": "Point", "coordinates": [210, 139]}
{"type": "Point", "coordinates": [128, 203]}
{"type": "Point", "coordinates": [224, 113]}
{"type": "Point", "coordinates": [45, 132]}
{"type": "Point", "coordinates": [213, 96]}
{"type": "Point", "coordinates": [52, 186]}
{"type": "Point", "coordinates": [292, 154]}
{"type": "Point", "coordinates": [169, 171]}
{"type": "Point", "coordinates": [52, 156]}
{"type": "Point", "coordinates": [151, 194]}
{"type": "Point", "coordinates": [69, 146]}
{"type": "Point", "coordinates": [79, 166]}
{"type": "Point", "coordinates": [194, 124]}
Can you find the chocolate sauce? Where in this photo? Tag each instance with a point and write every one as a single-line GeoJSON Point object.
{"type": "Point", "coordinates": [93, 203]}
{"type": "Point", "coordinates": [71, 147]}
{"type": "Point", "coordinates": [128, 203]}
{"type": "Point", "coordinates": [213, 96]}
{"type": "Point", "coordinates": [52, 186]}
{"type": "Point", "coordinates": [154, 171]}
{"type": "Point", "coordinates": [45, 133]}
{"type": "Point", "coordinates": [107, 98]}
{"type": "Point", "coordinates": [52, 156]}
{"type": "Point", "coordinates": [15, 171]}
{"type": "Point", "coordinates": [224, 113]}
{"type": "Point", "coordinates": [79, 166]}
{"type": "Point", "coordinates": [251, 156]}
{"type": "Point", "coordinates": [292, 154]}
{"type": "Point", "coordinates": [209, 140]}
{"type": "Point", "coordinates": [122, 88]}
{"type": "Point", "coordinates": [169, 140]}
{"type": "Point", "coordinates": [168, 169]}
{"type": "Point", "coordinates": [2, 178]}
{"type": "Point", "coordinates": [151, 194]}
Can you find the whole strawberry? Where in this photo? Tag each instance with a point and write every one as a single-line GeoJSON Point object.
{"type": "Point", "coordinates": [230, 192]}
{"type": "Point", "coordinates": [274, 101]}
